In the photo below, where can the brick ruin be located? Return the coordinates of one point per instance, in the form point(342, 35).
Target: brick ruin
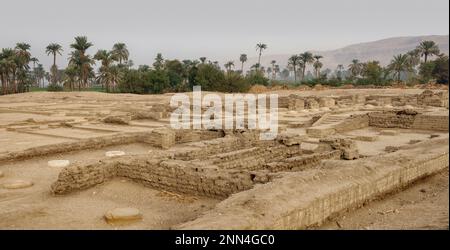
point(314, 145)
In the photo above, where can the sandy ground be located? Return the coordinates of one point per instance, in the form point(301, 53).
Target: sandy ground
point(36, 208)
point(423, 205)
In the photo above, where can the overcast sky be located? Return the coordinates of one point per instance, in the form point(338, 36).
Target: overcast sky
point(217, 29)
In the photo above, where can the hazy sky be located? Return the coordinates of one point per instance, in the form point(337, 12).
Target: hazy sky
point(219, 30)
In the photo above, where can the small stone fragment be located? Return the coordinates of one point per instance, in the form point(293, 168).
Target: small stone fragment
point(125, 214)
point(16, 184)
point(114, 153)
point(58, 163)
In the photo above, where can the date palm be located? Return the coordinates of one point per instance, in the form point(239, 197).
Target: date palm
point(273, 62)
point(243, 59)
point(294, 62)
point(121, 52)
point(54, 49)
point(355, 68)
point(317, 65)
point(106, 69)
point(399, 64)
point(22, 59)
point(229, 65)
point(428, 48)
point(260, 47)
point(79, 57)
point(305, 59)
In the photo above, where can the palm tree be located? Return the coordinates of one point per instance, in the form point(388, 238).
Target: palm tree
point(428, 48)
point(39, 72)
point(7, 64)
point(273, 62)
point(276, 70)
point(399, 64)
point(105, 71)
point(339, 70)
point(294, 61)
point(317, 65)
point(305, 59)
point(243, 59)
point(260, 47)
point(54, 49)
point(79, 57)
point(355, 68)
point(120, 51)
point(22, 59)
point(229, 65)
point(34, 60)
point(70, 76)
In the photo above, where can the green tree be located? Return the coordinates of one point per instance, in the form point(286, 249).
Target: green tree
point(428, 48)
point(399, 64)
point(440, 70)
point(120, 52)
point(317, 65)
point(242, 59)
point(294, 62)
point(305, 59)
point(355, 68)
point(260, 47)
point(53, 49)
point(81, 59)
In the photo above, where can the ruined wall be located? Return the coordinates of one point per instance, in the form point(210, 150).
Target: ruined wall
point(302, 162)
point(303, 199)
point(158, 173)
point(352, 123)
point(90, 143)
point(392, 119)
point(431, 122)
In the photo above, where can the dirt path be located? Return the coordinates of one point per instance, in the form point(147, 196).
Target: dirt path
point(424, 205)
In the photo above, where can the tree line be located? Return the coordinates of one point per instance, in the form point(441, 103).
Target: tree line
point(19, 71)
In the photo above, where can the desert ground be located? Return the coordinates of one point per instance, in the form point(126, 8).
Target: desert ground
point(343, 159)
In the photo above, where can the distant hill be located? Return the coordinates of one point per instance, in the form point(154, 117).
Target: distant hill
point(381, 50)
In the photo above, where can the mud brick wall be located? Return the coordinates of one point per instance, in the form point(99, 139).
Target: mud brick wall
point(326, 102)
point(90, 143)
point(431, 122)
point(392, 119)
point(256, 158)
point(352, 123)
point(189, 135)
point(203, 149)
point(297, 204)
point(165, 174)
point(299, 163)
point(160, 137)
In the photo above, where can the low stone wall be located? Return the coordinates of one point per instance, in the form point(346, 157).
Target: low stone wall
point(352, 123)
point(303, 162)
point(159, 173)
point(90, 143)
point(303, 199)
point(431, 122)
point(392, 119)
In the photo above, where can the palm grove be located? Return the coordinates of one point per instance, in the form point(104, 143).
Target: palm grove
point(115, 72)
